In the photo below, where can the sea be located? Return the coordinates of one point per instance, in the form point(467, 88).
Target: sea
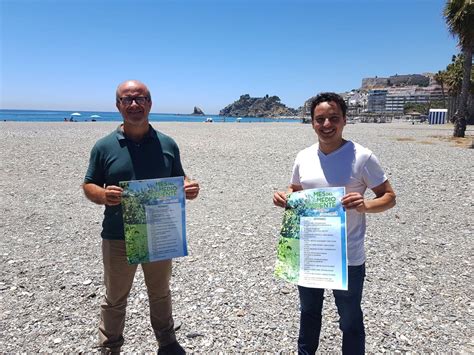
point(91, 116)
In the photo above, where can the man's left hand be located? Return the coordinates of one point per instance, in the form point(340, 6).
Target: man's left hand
point(191, 189)
point(354, 200)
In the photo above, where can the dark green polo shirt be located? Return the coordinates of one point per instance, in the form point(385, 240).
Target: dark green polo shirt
point(116, 158)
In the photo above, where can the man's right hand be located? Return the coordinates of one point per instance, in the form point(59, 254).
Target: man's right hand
point(279, 199)
point(113, 195)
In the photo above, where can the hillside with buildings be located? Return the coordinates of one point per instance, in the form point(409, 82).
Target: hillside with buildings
point(377, 98)
point(396, 80)
point(388, 97)
point(399, 90)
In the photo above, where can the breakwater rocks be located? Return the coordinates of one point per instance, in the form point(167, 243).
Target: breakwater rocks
point(267, 106)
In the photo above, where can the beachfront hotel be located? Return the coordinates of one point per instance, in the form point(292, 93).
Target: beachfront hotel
point(394, 99)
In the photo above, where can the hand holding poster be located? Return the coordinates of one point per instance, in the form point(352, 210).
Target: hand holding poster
point(154, 219)
point(312, 246)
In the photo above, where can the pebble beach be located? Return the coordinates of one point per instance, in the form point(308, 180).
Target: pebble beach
point(418, 289)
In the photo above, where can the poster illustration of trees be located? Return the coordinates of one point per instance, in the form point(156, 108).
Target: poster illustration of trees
point(299, 253)
point(154, 219)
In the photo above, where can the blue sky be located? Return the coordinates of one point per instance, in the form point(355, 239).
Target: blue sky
point(72, 54)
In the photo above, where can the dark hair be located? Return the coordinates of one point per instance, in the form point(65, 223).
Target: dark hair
point(328, 97)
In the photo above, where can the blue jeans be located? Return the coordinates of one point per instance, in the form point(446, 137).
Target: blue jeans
point(351, 320)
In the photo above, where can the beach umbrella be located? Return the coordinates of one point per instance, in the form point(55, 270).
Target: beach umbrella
point(75, 114)
point(95, 116)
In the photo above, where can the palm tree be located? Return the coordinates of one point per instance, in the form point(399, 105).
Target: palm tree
point(453, 75)
point(440, 78)
point(459, 16)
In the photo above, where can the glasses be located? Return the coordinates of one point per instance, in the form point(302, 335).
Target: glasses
point(322, 120)
point(127, 100)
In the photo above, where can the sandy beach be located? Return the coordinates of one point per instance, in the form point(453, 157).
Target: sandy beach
point(419, 285)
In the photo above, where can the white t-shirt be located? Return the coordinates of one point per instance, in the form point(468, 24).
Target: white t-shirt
point(352, 166)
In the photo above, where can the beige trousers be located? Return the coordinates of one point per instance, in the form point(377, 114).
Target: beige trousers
point(118, 279)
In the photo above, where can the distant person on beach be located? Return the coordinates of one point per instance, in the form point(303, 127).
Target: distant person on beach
point(336, 162)
point(134, 151)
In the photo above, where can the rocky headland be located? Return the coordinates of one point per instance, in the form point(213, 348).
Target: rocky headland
point(267, 106)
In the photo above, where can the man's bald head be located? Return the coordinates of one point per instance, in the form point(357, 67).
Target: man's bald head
point(132, 84)
point(133, 101)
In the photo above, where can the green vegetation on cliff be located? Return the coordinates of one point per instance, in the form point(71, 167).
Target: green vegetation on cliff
point(267, 106)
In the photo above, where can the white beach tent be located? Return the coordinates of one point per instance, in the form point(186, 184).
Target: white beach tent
point(437, 116)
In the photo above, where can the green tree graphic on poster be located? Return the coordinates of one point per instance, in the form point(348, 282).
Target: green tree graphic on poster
point(307, 224)
point(149, 196)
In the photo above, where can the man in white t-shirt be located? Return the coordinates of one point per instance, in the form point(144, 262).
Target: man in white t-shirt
point(336, 162)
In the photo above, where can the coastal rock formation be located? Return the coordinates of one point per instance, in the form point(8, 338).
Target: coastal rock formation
point(197, 111)
point(267, 106)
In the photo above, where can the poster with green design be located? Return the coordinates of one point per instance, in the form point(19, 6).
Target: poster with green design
point(312, 249)
point(154, 216)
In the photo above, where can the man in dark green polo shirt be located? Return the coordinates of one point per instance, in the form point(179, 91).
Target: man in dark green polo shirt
point(135, 151)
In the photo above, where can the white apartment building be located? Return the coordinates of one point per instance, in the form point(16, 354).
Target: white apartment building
point(376, 100)
point(394, 99)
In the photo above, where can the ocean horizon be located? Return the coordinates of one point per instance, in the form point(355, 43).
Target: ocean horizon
point(100, 116)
